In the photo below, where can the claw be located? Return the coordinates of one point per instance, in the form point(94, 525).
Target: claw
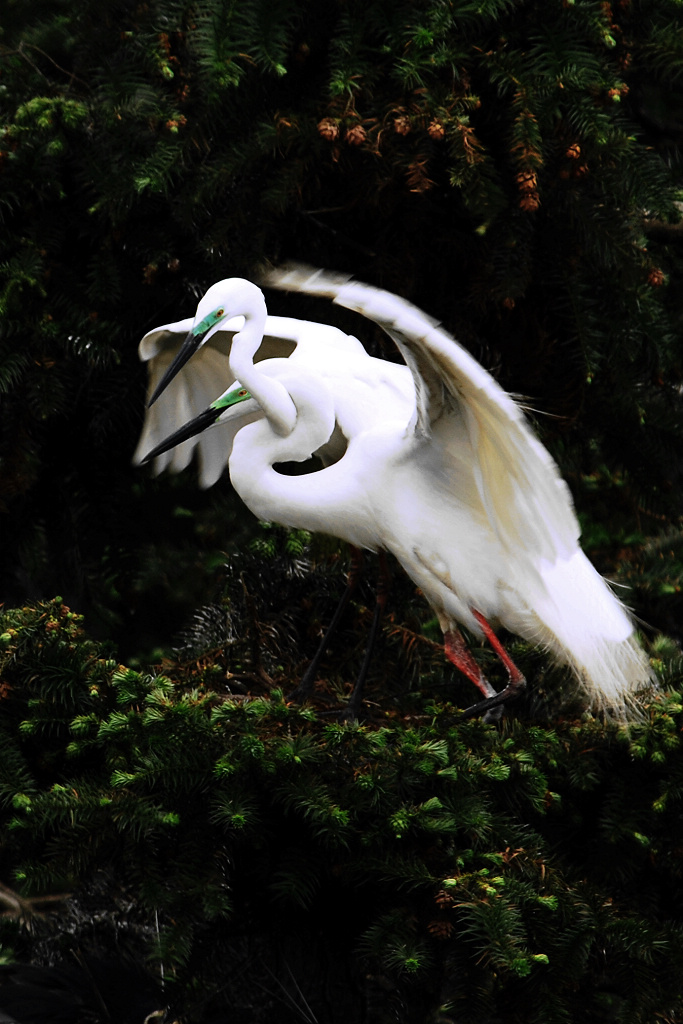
point(496, 703)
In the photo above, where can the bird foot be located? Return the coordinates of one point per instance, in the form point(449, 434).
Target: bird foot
point(348, 715)
point(299, 695)
point(492, 708)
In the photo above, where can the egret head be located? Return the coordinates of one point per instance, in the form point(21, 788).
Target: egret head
point(227, 304)
point(229, 405)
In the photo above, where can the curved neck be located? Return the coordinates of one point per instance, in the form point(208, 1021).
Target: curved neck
point(322, 501)
point(270, 394)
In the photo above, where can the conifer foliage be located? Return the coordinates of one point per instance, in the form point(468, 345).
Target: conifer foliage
point(514, 167)
point(273, 864)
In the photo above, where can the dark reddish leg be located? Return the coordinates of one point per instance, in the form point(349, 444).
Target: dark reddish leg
point(305, 687)
point(458, 654)
point(515, 677)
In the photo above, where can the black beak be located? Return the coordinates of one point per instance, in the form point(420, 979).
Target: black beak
point(187, 349)
point(195, 426)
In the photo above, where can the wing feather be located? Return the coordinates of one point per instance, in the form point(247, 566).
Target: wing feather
point(204, 378)
point(527, 501)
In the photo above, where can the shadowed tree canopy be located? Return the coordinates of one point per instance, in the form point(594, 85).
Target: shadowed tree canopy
point(513, 167)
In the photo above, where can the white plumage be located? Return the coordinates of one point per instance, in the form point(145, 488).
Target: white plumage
point(454, 483)
point(373, 386)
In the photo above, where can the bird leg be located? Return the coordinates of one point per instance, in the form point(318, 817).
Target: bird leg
point(305, 687)
point(350, 713)
point(458, 654)
point(493, 701)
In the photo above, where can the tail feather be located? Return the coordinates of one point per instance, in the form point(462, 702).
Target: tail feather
point(580, 620)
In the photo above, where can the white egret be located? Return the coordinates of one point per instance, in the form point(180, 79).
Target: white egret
point(463, 494)
point(231, 328)
point(202, 345)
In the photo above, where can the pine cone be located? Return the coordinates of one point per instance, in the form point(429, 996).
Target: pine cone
point(402, 125)
point(440, 929)
point(356, 136)
point(329, 129)
point(655, 277)
point(527, 181)
point(436, 130)
point(574, 152)
point(529, 202)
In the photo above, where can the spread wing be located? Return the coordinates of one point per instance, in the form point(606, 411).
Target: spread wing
point(188, 394)
point(527, 501)
point(204, 378)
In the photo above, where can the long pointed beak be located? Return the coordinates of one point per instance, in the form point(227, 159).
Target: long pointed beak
point(235, 395)
point(187, 350)
point(196, 426)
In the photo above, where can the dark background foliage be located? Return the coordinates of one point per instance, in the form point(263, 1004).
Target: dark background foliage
point(513, 167)
point(513, 174)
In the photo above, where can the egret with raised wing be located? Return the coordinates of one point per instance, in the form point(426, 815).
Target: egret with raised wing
point(231, 319)
point(462, 492)
point(231, 335)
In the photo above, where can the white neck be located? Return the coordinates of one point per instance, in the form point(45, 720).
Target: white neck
point(323, 501)
point(268, 392)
